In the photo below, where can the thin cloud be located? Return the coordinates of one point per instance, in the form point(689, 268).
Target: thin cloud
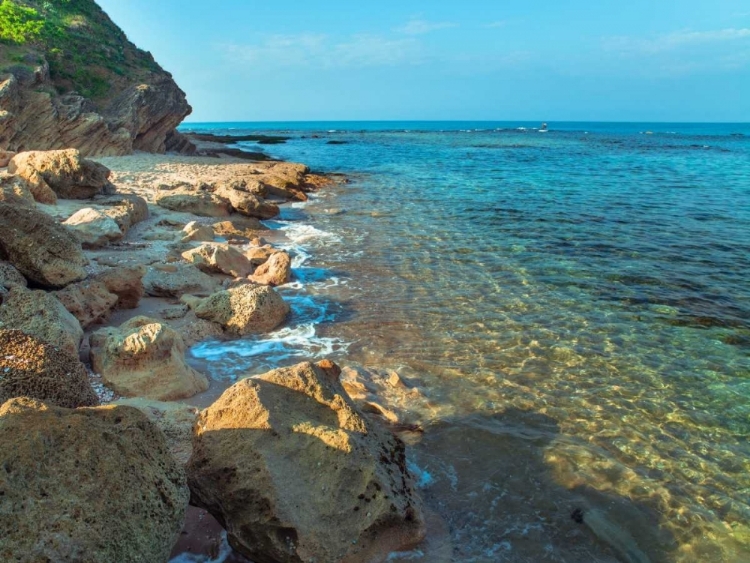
point(501, 23)
point(420, 27)
point(675, 40)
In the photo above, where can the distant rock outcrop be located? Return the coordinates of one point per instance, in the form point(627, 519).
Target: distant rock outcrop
point(78, 82)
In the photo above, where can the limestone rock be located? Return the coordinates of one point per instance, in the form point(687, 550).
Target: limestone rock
point(94, 228)
point(9, 276)
point(174, 280)
point(194, 231)
point(39, 247)
point(89, 484)
point(15, 190)
point(196, 200)
point(247, 203)
point(126, 209)
point(245, 227)
point(274, 271)
point(88, 301)
point(248, 309)
point(32, 368)
point(295, 473)
point(64, 171)
point(41, 314)
point(5, 157)
point(126, 282)
point(219, 258)
point(259, 254)
point(145, 358)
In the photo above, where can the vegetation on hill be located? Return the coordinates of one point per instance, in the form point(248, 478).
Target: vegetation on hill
point(86, 51)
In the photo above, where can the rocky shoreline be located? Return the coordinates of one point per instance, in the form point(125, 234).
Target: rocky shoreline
point(109, 271)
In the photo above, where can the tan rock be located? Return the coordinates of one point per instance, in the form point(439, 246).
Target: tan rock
point(64, 171)
point(259, 254)
point(248, 309)
point(87, 484)
point(247, 203)
point(126, 282)
point(195, 231)
point(295, 473)
point(196, 200)
point(245, 227)
point(145, 358)
point(88, 301)
point(39, 247)
point(41, 314)
point(126, 209)
point(5, 157)
point(219, 258)
point(276, 270)
point(93, 228)
point(174, 280)
point(194, 330)
point(15, 190)
point(39, 189)
point(32, 368)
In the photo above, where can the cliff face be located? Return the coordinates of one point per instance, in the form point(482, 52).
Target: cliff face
point(69, 78)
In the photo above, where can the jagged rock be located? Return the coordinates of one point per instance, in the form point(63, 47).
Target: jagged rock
point(88, 301)
point(93, 228)
point(145, 358)
point(41, 314)
point(245, 227)
point(9, 276)
point(175, 420)
point(194, 231)
point(174, 280)
point(285, 180)
point(220, 258)
point(260, 254)
point(248, 309)
point(32, 368)
point(246, 202)
point(126, 209)
point(87, 484)
point(64, 171)
point(295, 473)
point(15, 190)
point(274, 271)
point(39, 247)
point(196, 200)
point(126, 282)
point(179, 143)
point(5, 157)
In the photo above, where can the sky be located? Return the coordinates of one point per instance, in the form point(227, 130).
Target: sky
point(572, 60)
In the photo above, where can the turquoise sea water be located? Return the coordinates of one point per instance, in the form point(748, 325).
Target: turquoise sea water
point(574, 304)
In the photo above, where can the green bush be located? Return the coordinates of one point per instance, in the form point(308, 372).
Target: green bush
point(19, 24)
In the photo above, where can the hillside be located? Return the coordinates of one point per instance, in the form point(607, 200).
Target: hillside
point(69, 77)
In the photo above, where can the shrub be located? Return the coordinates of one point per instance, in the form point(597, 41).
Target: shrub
point(19, 24)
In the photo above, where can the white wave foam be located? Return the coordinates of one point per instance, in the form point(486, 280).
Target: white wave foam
point(225, 551)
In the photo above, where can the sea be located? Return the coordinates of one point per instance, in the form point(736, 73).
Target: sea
point(569, 309)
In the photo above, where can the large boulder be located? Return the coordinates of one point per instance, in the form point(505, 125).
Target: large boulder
point(64, 171)
point(276, 270)
point(145, 358)
point(42, 315)
point(259, 254)
point(32, 368)
point(174, 280)
point(15, 190)
point(126, 209)
point(248, 309)
point(295, 473)
point(219, 258)
point(194, 231)
point(247, 203)
point(198, 200)
point(126, 282)
point(39, 247)
point(89, 484)
point(94, 228)
point(88, 301)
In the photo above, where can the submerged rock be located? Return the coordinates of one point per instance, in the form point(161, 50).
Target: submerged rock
point(295, 473)
point(247, 309)
point(32, 368)
point(39, 247)
point(90, 484)
point(94, 228)
point(145, 358)
point(274, 271)
point(65, 172)
point(219, 258)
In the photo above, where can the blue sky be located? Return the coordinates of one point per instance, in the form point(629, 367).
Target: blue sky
point(632, 60)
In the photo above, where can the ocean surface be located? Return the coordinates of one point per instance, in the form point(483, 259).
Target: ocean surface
point(573, 307)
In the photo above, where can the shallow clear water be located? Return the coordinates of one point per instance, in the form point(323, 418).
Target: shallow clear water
point(575, 304)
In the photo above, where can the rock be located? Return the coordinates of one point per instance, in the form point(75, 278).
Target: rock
point(194, 330)
point(5, 157)
point(175, 420)
point(126, 209)
point(245, 227)
point(248, 309)
point(259, 254)
point(39, 247)
point(219, 258)
point(196, 200)
point(88, 301)
point(64, 171)
point(88, 484)
point(145, 358)
point(174, 280)
point(94, 228)
point(126, 282)
point(247, 203)
point(194, 231)
point(15, 190)
point(295, 473)
point(41, 314)
point(274, 271)
point(9, 276)
point(32, 368)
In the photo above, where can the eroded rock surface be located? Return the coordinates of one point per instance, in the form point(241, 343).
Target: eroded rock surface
point(295, 473)
point(88, 301)
point(219, 258)
point(126, 282)
point(15, 190)
point(90, 484)
point(93, 228)
point(174, 280)
point(276, 270)
point(247, 309)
